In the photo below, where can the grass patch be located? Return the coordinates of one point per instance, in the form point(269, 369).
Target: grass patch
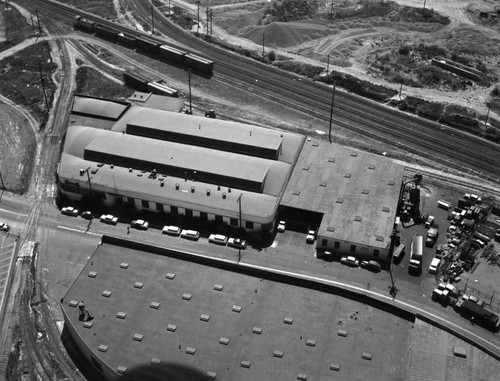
point(20, 78)
point(91, 82)
point(17, 29)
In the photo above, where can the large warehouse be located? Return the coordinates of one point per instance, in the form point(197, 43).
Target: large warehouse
point(232, 173)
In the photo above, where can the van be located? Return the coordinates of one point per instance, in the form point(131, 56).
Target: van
point(398, 253)
point(190, 234)
point(433, 267)
point(444, 204)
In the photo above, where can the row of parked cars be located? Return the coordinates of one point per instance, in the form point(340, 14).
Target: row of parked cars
point(172, 230)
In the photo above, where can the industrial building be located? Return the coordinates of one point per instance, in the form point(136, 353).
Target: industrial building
point(137, 305)
point(232, 173)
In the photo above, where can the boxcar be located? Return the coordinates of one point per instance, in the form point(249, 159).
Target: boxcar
point(136, 80)
point(162, 89)
point(126, 39)
point(198, 63)
point(106, 32)
point(83, 24)
point(147, 45)
point(172, 54)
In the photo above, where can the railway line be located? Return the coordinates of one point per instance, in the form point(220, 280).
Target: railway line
point(352, 112)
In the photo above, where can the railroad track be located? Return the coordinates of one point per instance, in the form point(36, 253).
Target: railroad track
point(416, 135)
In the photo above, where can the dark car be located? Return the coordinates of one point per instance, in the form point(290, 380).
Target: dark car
point(372, 266)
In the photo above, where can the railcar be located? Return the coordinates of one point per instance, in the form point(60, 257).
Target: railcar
point(83, 24)
point(136, 80)
point(198, 63)
point(162, 89)
point(126, 40)
point(106, 32)
point(147, 45)
point(172, 54)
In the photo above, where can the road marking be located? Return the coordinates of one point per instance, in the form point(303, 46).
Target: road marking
point(11, 212)
point(78, 230)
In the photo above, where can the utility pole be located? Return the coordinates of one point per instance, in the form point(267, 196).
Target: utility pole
point(3, 185)
point(43, 86)
point(263, 52)
point(39, 26)
point(208, 23)
point(487, 115)
point(198, 22)
point(169, 9)
point(331, 114)
point(423, 9)
point(239, 202)
point(189, 82)
point(88, 180)
point(328, 64)
point(211, 25)
point(152, 20)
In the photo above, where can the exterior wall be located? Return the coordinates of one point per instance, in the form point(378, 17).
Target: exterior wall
point(91, 357)
point(112, 199)
point(362, 252)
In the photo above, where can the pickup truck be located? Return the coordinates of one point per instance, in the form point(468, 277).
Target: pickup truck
point(432, 235)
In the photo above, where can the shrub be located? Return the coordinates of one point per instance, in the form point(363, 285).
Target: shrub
point(404, 50)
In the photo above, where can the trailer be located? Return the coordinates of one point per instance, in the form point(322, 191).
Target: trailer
point(172, 54)
point(198, 63)
point(162, 89)
point(136, 80)
point(480, 315)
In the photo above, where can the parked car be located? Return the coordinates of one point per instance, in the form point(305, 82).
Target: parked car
point(109, 219)
point(281, 226)
point(140, 224)
point(69, 211)
point(4, 227)
point(237, 243)
point(349, 261)
point(190, 234)
point(219, 239)
point(311, 236)
point(88, 215)
point(372, 266)
point(171, 230)
point(433, 267)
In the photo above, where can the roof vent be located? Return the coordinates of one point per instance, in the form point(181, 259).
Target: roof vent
point(82, 171)
point(365, 191)
point(379, 238)
point(111, 166)
point(162, 184)
point(228, 190)
point(208, 192)
point(176, 186)
point(354, 154)
point(218, 187)
point(224, 195)
point(192, 189)
point(130, 169)
point(385, 209)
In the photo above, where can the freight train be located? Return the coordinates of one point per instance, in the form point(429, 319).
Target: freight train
point(147, 46)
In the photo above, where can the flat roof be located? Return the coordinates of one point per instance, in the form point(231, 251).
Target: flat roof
point(208, 128)
point(191, 158)
point(98, 107)
point(138, 184)
point(213, 319)
point(356, 191)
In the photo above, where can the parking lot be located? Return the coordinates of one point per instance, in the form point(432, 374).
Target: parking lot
point(7, 251)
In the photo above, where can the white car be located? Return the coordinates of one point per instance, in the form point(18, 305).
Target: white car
point(4, 227)
point(193, 235)
point(69, 211)
point(237, 243)
point(349, 261)
point(140, 224)
point(311, 236)
point(434, 265)
point(219, 239)
point(281, 226)
point(109, 219)
point(171, 230)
